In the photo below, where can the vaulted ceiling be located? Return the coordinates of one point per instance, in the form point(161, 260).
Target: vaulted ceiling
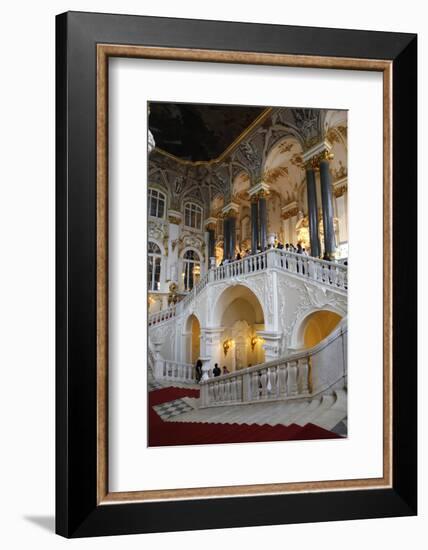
point(198, 132)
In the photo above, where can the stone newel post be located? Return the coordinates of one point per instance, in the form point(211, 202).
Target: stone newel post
point(159, 362)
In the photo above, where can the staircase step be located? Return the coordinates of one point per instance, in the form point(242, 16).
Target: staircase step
point(218, 424)
point(335, 414)
point(307, 412)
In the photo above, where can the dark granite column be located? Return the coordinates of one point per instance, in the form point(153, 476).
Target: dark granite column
point(232, 236)
point(226, 237)
point(263, 223)
point(313, 213)
point(211, 243)
point(254, 225)
point(327, 209)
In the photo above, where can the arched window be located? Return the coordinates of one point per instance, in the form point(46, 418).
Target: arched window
point(154, 266)
point(156, 203)
point(192, 268)
point(193, 215)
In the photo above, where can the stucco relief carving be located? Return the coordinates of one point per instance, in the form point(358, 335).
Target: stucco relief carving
point(157, 230)
point(269, 296)
point(250, 153)
point(310, 298)
point(261, 285)
point(321, 297)
point(284, 287)
point(190, 239)
point(163, 332)
point(307, 121)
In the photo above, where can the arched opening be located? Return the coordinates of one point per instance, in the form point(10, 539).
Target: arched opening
point(193, 333)
point(317, 326)
point(240, 314)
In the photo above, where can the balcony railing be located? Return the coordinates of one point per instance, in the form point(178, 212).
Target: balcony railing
point(331, 274)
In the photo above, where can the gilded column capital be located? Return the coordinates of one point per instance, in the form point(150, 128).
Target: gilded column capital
point(231, 210)
point(311, 164)
point(210, 223)
point(316, 153)
point(326, 155)
point(174, 217)
point(259, 191)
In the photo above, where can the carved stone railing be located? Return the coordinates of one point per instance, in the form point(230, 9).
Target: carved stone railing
point(174, 371)
point(300, 375)
point(163, 315)
point(331, 274)
point(198, 287)
point(249, 264)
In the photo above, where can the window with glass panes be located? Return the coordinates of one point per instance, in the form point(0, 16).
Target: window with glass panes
point(193, 215)
point(156, 203)
point(190, 261)
point(154, 266)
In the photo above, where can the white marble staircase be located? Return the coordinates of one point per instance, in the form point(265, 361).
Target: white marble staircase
point(326, 411)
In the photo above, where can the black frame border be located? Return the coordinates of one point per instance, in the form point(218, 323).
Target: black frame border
point(77, 512)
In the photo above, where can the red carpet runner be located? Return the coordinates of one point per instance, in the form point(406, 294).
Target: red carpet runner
point(185, 433)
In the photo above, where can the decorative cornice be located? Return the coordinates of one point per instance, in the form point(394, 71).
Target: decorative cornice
point(289, 210)
point(290, 213)
point(340, 187)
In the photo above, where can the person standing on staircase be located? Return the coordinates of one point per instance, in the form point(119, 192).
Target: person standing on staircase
point(216, 370)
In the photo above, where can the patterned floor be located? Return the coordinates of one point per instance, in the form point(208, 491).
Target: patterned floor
point(341, 428)
point(172, 408)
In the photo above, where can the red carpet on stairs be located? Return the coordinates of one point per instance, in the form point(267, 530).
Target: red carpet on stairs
point(186, 433)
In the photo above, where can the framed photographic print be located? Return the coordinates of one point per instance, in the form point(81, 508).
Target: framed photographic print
point(236, 326)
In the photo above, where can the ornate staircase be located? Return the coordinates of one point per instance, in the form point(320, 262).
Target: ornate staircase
point(326, 411)
point(173, 420)
point(295, 393)
point(301, 395)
